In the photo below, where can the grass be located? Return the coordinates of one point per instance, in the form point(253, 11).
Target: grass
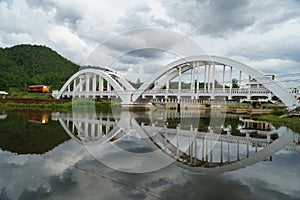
point(82, 105)
point(239, 106)
point(15, 93)
point(292, 122)
point(11, 105)
point(64, 107)
point(102, 105)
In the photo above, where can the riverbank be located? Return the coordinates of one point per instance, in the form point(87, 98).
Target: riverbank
point(50, 104)
point(293, 122)
point(44, 102)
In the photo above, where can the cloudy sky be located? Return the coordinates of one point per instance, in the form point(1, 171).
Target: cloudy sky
point(262, 34)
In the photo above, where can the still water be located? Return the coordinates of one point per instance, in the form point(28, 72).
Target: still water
point(150, 155)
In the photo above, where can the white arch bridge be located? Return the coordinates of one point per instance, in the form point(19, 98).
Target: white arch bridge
point(196, 77)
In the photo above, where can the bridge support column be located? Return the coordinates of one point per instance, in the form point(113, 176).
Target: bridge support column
point(203, 149)
point(167, 89)
point(86, 130)
point(94, 86)
point(238, 150)
point(81, 83)
point(93, 132)
point(106, 130)
point(191, 150)
point(74, 85)
point(195, 146)
point(256, 147)
point(108, 89)
point(100, 83)
point(210, 150)
point(249, 88)
point(221, 152)
point(73, 127)
point(205, 73)
point(100, 132)
point(79, 129)
point(198, 79)
point(213, 82)
point(206, 149)
point(240, 80)
point(177, 142)
point(208, 78)
point(179, 80)
point(193, 80)
point(87, 84)
point(228, 152)
point(69, 90)
point(223, 84)
point(247, 136)
point(230, 79)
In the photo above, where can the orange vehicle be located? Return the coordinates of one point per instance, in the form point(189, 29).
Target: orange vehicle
point(38, 88)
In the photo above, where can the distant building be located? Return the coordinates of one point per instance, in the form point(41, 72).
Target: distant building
point(3, 93)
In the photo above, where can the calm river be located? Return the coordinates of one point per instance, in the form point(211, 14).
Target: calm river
point(150, 155)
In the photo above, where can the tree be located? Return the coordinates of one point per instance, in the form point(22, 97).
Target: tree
point(3, 84)
point(234, 83)
point(24, 65)
point(138, 81)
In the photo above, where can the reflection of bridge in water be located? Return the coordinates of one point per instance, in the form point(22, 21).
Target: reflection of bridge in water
point(216, 150)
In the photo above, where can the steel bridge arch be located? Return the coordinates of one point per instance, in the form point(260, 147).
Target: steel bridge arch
point(170, 71)
point(122, 87)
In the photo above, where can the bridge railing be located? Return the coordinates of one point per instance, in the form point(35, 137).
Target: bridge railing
point(209, 91)
point(89, 93)
point(252, 91)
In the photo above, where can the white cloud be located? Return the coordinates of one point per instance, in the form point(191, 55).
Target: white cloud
point(255, 30)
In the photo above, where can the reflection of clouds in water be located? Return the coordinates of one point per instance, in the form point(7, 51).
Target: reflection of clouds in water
point(117, 158)
point(207, 186)
point(68, 172)
point(133, 144)
point(252, 182)
point(229, 185)
point(7, 158)
point(30, 172)
point(282, 174)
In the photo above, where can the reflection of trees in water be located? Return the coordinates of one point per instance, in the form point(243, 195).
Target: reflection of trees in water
point(19, 136)
point(233, 122)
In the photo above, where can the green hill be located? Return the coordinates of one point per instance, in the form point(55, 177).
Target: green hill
point(24, 65)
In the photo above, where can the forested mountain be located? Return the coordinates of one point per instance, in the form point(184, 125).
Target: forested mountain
point(24, 65)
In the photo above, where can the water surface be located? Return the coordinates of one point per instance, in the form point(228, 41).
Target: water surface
point(65, 156)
